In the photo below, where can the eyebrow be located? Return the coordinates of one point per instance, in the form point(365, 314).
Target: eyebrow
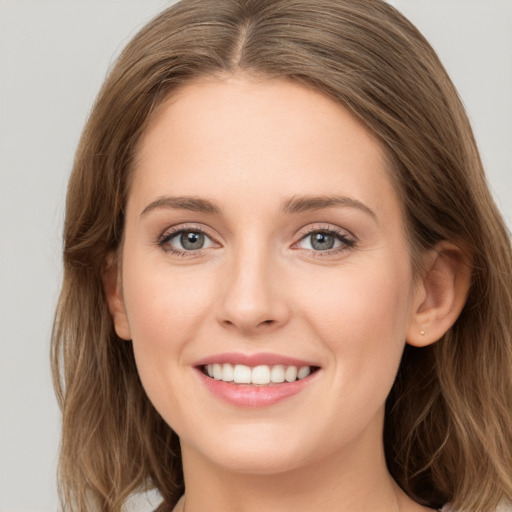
point(194, 204)
point(299, 204)
point(294, 205)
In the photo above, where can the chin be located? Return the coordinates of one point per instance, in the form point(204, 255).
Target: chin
point(256, 462)
point(257, 453)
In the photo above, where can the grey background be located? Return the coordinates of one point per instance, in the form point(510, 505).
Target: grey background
point(54, 55)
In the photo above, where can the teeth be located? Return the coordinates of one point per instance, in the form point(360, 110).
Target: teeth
point(242, 374)
point(290, 374)
point(227, 373)
point(258, 375)
point(304, 371)
point(217, 372)
point(277, 373)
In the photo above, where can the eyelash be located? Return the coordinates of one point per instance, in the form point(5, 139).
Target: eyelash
point(164, 240)
point(347, 242)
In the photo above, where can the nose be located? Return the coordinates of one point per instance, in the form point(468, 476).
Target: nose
point(253, 298)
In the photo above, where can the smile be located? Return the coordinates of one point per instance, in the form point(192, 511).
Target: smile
point(257, 380)
point(260, 375)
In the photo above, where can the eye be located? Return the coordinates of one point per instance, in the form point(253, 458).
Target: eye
point(185, 240)
point(326, 240)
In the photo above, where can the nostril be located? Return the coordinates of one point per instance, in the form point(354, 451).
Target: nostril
point(266, 323)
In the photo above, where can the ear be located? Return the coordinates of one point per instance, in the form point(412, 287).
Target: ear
point(442, 292)
point(113, 291)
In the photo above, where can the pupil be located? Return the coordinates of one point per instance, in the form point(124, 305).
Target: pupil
point(322, 241)
point(191, 240)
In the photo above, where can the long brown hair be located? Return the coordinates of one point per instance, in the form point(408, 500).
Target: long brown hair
point(448, 427)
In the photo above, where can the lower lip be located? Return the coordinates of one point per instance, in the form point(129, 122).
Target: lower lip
point(244, 395)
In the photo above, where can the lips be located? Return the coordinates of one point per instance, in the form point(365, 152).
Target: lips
point(255, 380)
point(252, 360)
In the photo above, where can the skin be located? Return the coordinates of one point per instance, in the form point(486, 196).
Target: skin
point(258, 285)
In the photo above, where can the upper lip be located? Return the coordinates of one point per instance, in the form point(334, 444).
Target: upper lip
point(263, 358)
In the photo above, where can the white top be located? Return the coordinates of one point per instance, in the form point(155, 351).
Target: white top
point(503, 507)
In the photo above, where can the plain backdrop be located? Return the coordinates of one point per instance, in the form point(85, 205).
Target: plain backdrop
point(54, 55)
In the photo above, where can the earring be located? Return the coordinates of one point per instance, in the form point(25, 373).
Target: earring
point(422, 332)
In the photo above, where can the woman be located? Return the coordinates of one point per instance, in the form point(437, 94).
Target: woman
point(286, 283)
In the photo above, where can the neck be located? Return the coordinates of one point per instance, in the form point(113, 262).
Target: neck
point(355, 479)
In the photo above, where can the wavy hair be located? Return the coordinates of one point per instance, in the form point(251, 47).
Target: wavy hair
point(448, 426)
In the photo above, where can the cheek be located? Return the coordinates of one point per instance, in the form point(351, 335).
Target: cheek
point(165, 311)
point(362, 298)
point(362, 315)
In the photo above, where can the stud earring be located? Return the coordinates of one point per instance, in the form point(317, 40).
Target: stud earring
point(422, 332)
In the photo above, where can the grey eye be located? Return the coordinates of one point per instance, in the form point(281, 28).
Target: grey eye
point(186, 240)
point(192, 240)
point(322, 241)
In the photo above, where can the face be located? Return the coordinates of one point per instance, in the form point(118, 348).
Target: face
point(266, 281)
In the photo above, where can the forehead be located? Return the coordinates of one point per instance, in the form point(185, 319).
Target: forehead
point(234, 133)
